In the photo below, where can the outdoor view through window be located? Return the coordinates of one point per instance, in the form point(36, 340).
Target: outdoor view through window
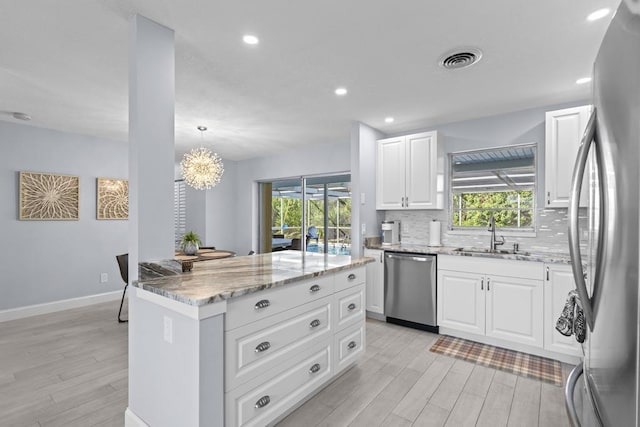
point(499, 182)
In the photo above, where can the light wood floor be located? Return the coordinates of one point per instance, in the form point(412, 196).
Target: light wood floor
point(70, 369)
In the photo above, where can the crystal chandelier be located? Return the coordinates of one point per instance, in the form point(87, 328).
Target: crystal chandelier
point(201, 168)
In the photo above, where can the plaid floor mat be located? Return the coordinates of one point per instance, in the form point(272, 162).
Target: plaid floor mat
point(522, 364)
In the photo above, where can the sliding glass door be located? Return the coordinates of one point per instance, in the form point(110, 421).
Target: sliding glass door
point(310, 213)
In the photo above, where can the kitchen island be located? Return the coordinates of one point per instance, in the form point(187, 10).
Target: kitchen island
point(241, 341)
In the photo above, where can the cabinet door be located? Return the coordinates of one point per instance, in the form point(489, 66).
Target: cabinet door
point(421, 170)
point(514, 309)
point(558, 282)
point(375, 281)
point(390, 173)
point(564, 130)
point(461, 301)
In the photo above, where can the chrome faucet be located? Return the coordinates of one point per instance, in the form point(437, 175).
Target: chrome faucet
point(492, 228)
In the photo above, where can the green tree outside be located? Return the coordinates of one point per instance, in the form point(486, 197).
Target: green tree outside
point(475, 209)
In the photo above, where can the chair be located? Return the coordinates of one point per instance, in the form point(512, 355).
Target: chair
point(251, 253)
point(296, 244)
point(312, 233)
point(123, 264)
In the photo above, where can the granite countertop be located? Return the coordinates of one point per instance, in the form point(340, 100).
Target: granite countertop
point(218, 280)
point(548, 257)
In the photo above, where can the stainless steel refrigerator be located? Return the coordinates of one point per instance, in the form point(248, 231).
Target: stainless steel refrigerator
point(611, 378)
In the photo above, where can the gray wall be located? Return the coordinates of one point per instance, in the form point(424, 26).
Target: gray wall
point(309, 160)
point(44, 261)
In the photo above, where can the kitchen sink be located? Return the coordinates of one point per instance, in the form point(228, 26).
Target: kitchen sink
point(489, 251)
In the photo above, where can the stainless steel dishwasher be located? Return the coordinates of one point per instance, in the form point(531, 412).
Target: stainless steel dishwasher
point(410, 290)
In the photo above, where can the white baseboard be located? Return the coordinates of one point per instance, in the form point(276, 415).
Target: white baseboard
point(52, 307)
point(132, 420)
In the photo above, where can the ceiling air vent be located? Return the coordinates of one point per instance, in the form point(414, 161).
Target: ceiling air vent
point(460, 58)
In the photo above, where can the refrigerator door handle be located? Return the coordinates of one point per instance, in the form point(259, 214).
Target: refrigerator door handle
point(569, 390)
point(574, 232)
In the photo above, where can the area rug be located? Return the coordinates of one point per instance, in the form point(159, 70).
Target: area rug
point(522, 364)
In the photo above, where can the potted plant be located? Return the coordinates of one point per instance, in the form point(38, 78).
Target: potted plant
point(190, 243)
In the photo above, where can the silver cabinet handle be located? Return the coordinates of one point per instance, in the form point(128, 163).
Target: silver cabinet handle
point(547, 273)
point(351, 345)
point(488, 284)
point(314, 323)
point(482, 284)
point(315, 368)
point(351, 276)
point(263, 401)
point(403, 202)
point(406, 201)
point(381, 256)
point(314, 288)
point(263, 303)
point(590, 136)
point(263, 346)
point(351, 307)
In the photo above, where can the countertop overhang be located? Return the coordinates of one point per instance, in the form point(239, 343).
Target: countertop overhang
point(214, 281)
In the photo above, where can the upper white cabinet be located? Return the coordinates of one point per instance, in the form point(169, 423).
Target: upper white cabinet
point(410, 172)
point(558, 283)
point(563, 133)
point(375, 281)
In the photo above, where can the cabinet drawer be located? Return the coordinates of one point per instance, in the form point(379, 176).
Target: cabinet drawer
point(349, 345)
point(347, 278)
point(260, 404)
point(259, 305)
point(349, 307)
point(253, 349)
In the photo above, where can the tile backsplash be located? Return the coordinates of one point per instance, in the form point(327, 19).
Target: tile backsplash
point(551, 230)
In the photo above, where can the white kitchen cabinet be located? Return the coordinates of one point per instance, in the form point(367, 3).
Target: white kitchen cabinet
point(558, 283)
point(501, 299)
point(563, 133)
point(410, 172)
point(375, 281)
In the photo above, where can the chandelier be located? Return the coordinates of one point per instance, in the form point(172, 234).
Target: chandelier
point(201, 168)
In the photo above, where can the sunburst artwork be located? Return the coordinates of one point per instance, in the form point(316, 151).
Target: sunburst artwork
point(49, 197)
point(112, 199)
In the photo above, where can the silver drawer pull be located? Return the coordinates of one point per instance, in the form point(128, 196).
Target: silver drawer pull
point(263, 401)
point(351, 276)
point(263, 346)
point(315, 368)
point(351, 307)
point(351, 345)
point(263, 303)
point(314, 323)
point(314, 288)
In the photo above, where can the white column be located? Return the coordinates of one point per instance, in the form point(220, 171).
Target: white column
point(151, 142)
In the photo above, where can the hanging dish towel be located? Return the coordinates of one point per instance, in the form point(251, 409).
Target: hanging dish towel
point(571, 321)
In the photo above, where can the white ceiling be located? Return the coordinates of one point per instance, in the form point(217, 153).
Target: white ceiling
point(65, 63)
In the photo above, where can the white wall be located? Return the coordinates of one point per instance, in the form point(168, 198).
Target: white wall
point(44, 261)
point(309, 160)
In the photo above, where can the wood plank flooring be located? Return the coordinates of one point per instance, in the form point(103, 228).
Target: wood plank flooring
point(70, 369)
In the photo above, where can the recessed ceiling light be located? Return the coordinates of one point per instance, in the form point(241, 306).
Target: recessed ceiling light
point(341, 91)
point(389, 119)
point(583, 80)
point(21, 116)
point(249, 39)
point(598, 14)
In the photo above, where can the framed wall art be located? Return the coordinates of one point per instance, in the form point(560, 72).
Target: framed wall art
point(49, 197)
point(112, 198)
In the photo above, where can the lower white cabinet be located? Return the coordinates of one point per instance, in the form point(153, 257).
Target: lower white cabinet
point(502, 299)
point(303, 335)
point(375, 281)
point(558, 283)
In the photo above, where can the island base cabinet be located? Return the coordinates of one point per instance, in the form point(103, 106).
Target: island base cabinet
point(349, 345)
point(514, 310)
point(264, 399)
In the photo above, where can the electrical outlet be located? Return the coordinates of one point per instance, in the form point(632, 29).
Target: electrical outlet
point(405, 227)
point(168, 329)
point(363, 229)
point(362, 198)
point(104, 277)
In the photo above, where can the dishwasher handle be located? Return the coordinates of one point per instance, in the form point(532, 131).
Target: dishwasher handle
point(410, 257)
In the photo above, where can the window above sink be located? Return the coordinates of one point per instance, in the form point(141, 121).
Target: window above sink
point(500, 182)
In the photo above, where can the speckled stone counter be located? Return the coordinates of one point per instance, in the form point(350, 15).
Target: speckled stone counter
point(214, 281)
point(548, 257)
